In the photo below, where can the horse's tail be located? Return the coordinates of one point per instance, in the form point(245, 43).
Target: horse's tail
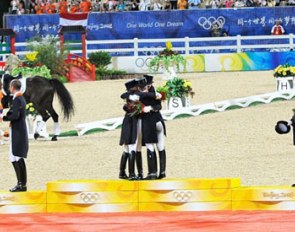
point(64, 97)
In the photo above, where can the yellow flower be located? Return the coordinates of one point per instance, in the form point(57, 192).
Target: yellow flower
point(284, 73)
point(169, 45)
point(165, 83)
point(31, 56)
point(187, 84)
point(27, 106)
point(32, 109)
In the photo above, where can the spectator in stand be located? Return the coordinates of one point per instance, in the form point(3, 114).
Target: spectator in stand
point(214, 4)
point(85, 6)
point(239, 4)
point(95, 5)
point(256, 3)
point(229, 3)
point(21, 9)
point(49, 7)
point(271, 3)
point(111, 5)
point(182, 4)
point(39, 7)
point(14, 6)
point(75, 8)
point(202, 4)
point(167, 5)
point(31, 7)
point(134, 5)
point(193, 4)
point(144, 5)
point(278, 29)
point(157, 5)
point(291, 2)
point(173, 4)
point(121, 6)
point(63, 6)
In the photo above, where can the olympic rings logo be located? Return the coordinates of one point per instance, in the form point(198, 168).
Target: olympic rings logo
point(183, 196)
point(143, 63)
point(89, 197)
point(207, 23)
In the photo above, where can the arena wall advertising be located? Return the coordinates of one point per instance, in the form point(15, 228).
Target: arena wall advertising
point(245, 61)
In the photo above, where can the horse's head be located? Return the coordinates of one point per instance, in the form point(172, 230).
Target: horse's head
point(5, 83)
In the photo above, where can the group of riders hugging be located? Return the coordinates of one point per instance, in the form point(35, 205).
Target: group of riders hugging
point(143, 125)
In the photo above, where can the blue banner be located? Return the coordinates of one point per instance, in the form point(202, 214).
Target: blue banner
point(161, 24)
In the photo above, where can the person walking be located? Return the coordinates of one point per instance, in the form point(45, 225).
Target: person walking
point(19, 145)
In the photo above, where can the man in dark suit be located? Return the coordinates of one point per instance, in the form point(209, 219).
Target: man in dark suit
point(19, 145)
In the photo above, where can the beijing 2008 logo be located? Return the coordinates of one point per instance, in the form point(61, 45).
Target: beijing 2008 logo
point(207, 23)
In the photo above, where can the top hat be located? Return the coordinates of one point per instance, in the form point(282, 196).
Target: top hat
point(141, 82)
point(149, 79)
point(130, 84)
point(282, 127)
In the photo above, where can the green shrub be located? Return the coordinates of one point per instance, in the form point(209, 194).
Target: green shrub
point(100, 59)
point(48, 52)
point(111, 72)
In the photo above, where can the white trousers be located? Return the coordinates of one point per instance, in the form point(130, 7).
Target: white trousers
point(161, 139)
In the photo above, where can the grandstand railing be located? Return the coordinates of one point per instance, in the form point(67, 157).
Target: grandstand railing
point(142, 47)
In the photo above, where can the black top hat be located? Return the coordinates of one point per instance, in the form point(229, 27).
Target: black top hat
point(149, 79)
point(141, 82)
point(130, 84)
point(282, 127)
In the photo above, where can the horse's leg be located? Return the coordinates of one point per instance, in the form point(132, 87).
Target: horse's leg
point(45, 116)
point(54, 116)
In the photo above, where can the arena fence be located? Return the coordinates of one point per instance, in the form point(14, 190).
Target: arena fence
point(206, 54)
point(187, 46)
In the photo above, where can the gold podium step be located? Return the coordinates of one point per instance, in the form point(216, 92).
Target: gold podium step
point(263, 198)
point(23, 202)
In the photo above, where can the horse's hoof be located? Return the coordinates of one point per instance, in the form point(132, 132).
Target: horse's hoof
point(54, 138)
point(36, 136)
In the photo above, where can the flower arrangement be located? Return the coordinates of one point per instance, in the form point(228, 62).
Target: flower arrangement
point(284, 71)
point(176, 87)
point(166, 58)
point(30, 110)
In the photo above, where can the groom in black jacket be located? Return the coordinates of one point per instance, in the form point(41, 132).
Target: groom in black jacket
point(19, 145)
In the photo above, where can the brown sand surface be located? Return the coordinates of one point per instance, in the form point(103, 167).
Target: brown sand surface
point(238, 143)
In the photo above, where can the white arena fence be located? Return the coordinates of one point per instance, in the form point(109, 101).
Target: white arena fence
point(133, 55)
point(187, 46)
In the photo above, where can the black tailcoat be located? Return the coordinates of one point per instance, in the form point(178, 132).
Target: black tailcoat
point(19, 135)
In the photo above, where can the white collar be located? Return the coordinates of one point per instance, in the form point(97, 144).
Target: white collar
point(16, 93)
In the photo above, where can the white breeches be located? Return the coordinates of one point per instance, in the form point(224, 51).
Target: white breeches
point(137, 146)
point(12, 157)
point(161, 136)
point(161, 139)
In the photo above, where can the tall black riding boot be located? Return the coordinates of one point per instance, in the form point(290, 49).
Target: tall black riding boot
point(138, 159)
point(23, 176)
point(162, 158)
point(18, 187)
point(131, 166)
point(123, 163)
point(152, 165)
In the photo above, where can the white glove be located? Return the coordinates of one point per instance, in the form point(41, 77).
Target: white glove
point(134, 97)
point(158, 96)
point(1, 116)
point(147, 109)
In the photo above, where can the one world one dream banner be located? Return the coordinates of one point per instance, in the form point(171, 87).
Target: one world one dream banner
point(160, 24)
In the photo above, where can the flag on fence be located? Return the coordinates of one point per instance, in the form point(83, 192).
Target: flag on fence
point(68, 19)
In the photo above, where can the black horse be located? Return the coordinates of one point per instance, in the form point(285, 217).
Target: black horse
point(40, 91)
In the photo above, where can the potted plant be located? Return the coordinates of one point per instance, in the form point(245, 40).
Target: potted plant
point(284, 75)
point(167, 60)
point(177, 91)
